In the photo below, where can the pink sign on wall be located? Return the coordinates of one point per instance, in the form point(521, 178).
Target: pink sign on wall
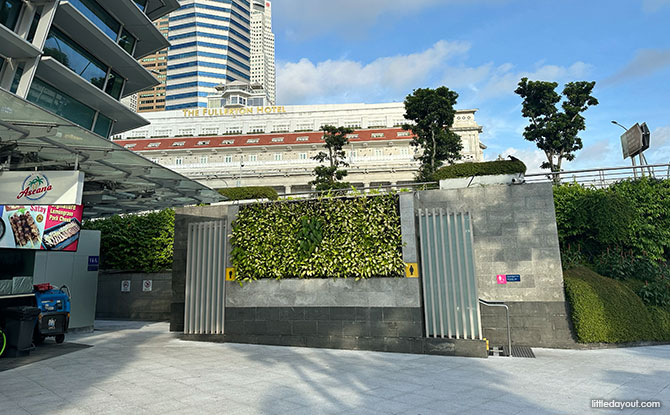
point(502, 279)
point(50, 228)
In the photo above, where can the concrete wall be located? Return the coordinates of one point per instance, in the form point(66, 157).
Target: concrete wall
point(514, 233)
point(137, 304)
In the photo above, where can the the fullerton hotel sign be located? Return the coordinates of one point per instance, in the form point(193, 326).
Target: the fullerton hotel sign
point(217, 112)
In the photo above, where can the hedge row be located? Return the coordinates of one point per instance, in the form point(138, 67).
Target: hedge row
point(632, 216)
point(325, 238)
point(251, 192)
point(487, 168)
point(142, 243)
point(608, 311)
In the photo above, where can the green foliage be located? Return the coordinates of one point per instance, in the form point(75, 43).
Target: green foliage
point(330, 177)
point(656, 292)
point(142, 243)
point(607, 311)
point(487, 168)
point(660, 317)
point(432, 111)
point(251, 192)
point(553, 131)
point(623, 266)
point(325, 238)
point(631, 216)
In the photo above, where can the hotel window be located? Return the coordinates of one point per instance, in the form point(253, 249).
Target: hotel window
point(352, 124)
point(352, 136)
point(234, 130)
point(278, 139)
point(378, 152)
point(154, 145)
point(253, 157)
point(403, 133)
point(377, 124)
point(162, 133)
point(253, 141)
point(281, 128)
point(187, 132)
point(279, 156)
point(303, 138)
point(179, 144)
point(404, 151)
point(303, 156)
point(377, 135)
point(228, 142)
point(228, 159)
point(179, 161)
point(9, 12)
point(130, 145)
point(154, 161)
point(203, 143)
point(210, 131)
point(305, 127)
point(257, 129)
point(203, 159)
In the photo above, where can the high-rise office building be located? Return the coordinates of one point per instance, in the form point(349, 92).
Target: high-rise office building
point(263, 49)
point(211, 45)
point(78, 58)
point(153, 99)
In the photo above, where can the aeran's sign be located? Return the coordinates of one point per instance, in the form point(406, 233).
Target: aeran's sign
point(41, 187)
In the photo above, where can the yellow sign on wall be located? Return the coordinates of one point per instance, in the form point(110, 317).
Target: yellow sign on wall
point(230, 274)
point(412, 270)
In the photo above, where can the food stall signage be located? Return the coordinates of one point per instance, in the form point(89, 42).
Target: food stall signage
point(41, 188)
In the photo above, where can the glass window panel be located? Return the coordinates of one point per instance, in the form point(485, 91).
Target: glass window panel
point(67, 52)
point(127, 41)
point(60, 103)
point(114, 85)
point(98, 16)
point(9, 12)
point(17, 78)
point(33, 25)
point(142, 4)
point(103, 126)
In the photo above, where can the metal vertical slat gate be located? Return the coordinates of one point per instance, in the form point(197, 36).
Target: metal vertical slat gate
point(204, 306)
point(448, 274)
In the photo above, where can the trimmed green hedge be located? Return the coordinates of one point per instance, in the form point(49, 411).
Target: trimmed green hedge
point(251, 192)
point(607, 311)
point(324, 238)
point(142, 243)
point(488, 168)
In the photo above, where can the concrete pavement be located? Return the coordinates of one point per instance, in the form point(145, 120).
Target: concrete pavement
point(141, 368)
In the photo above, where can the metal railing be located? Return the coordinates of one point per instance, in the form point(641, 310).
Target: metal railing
point(509, 331)
point(603, 177)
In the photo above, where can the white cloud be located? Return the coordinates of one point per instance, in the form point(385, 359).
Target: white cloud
point(660, 137)
point(346, 80)
point(654, 5)
point(645, 62)
point(392, 78)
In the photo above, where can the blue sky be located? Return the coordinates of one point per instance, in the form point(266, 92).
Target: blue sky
point(378, 51)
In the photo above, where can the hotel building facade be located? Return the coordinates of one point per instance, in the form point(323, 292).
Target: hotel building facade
point(273, 145)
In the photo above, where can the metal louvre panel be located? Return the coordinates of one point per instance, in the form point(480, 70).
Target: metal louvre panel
point(205, 285)
point(448, 277)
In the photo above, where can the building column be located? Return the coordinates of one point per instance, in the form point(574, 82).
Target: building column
point(287, 189)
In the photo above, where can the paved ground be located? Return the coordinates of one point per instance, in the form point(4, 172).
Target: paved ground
point(137, 368)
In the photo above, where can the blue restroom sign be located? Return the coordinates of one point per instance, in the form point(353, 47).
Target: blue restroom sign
point(93, 263)
point(514, 278)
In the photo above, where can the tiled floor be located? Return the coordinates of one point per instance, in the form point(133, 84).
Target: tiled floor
point(137, 368)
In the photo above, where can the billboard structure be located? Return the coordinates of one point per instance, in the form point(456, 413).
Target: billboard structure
point(635, 141)
point(39, 227)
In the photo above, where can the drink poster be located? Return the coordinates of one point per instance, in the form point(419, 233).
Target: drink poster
point(38, 227)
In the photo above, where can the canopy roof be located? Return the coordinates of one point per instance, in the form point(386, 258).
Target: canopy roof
point(116, 179)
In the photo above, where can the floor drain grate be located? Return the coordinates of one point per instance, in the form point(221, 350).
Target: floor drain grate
point(517, 351)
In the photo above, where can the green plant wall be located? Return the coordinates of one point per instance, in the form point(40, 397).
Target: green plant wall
point(324, 238)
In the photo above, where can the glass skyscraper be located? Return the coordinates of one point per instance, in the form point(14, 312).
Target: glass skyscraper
point(211, 45)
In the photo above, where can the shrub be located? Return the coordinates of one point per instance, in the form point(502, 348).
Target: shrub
point(656, 292)
point(605, 310)
point(251, 192)
point(660, 316)
point(324, 238)
point(142, 243)
point(487, 168)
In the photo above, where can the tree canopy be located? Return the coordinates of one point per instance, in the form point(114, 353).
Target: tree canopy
point(554, 131)
point(432, 112)
point(330, 176)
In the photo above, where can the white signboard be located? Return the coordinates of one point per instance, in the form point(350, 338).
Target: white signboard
point(125, 286)
point(147, 285)
point(635, 140)
point(41, 187)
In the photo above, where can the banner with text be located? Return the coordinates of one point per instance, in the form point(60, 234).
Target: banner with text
point(49, 228)
point(41, 187)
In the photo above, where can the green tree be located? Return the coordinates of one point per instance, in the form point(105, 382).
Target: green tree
point(554, 131)
point(432, 112)
point(330, 176)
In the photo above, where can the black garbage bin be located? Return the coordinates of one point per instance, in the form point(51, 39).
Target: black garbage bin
point(19, 327)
